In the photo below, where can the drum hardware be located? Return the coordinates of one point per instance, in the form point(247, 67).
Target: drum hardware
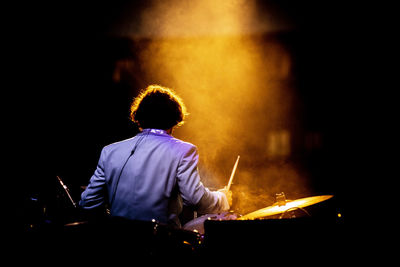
point(175, 238)
point(281, 209)
point(197, 224)
point(280, 199)
point(291, 213)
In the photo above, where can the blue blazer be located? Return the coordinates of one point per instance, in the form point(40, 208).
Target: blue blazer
point(150, 176)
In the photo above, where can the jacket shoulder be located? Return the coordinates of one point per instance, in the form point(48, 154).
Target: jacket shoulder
point(182, 143)
point(119, 144)
point(183, 147)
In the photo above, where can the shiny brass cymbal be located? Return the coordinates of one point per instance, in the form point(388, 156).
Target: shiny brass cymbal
point(289, 204)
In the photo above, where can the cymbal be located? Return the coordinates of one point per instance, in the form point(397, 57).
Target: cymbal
point(290, 204)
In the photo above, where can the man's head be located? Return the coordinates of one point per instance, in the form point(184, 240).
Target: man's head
point(158, 107)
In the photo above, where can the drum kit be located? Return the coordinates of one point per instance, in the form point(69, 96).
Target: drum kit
point(279, 210)
point(282, 208)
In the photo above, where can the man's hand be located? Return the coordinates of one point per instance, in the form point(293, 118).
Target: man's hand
point(228, 194)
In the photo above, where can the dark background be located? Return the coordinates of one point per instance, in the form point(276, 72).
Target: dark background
point(61, 58)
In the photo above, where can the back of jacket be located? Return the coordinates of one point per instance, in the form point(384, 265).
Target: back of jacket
point(147, 177)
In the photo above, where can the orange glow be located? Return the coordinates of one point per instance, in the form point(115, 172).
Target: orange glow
point(235, 88)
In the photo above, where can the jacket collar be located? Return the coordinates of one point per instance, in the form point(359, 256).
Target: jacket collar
point(155, 131)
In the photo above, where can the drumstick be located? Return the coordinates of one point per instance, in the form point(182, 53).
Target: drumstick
point(66, 191)
point(233, 173)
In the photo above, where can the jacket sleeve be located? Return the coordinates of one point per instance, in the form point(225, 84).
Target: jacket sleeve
point(212, 202)
point(192, 189)
point(95, 192)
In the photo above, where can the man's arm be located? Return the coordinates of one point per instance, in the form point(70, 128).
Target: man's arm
point(192, 189)
point(94, 194)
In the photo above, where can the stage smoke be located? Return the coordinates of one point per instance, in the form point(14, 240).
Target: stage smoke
point(235, 81)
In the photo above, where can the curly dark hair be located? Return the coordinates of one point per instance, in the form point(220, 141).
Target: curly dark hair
point(158, 107)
